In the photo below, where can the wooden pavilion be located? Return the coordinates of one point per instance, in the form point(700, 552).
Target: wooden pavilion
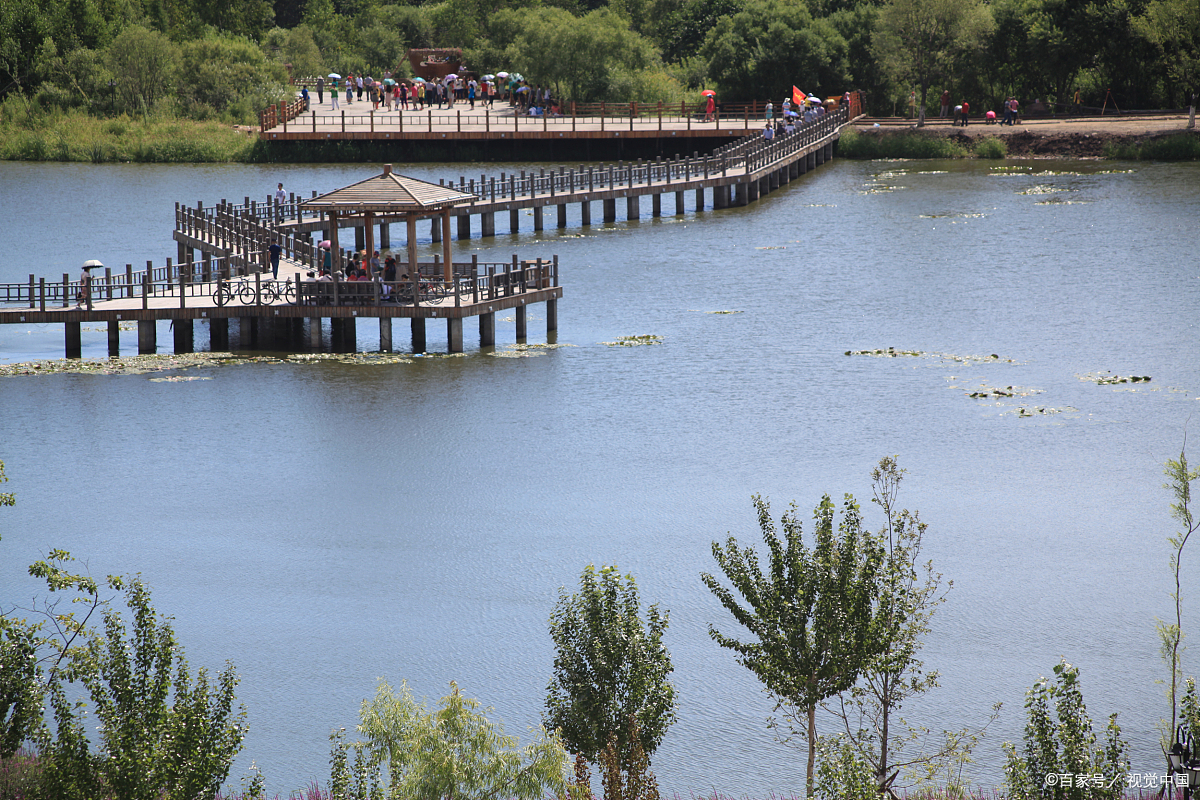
point(391, 195)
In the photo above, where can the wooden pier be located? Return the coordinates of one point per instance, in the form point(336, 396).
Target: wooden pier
point(221, 248)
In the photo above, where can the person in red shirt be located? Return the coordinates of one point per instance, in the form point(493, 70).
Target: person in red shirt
point(966, 110)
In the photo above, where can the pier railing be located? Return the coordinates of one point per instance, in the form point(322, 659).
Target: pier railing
point(749, 153)
point(728, 118)
point(223, 281)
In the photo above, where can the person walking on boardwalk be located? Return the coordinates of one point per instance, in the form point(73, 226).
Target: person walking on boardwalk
point(275, 251)
point(320, 89)
point(85, 286)
point(333, 96)
point(710, 107)
point(945, 105)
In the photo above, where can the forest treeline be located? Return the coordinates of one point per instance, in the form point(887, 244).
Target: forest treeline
point(225, 60)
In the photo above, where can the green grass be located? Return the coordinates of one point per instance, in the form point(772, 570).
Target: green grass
point(897, 145)
point(1178, 147)
point(27, 134)
point(991, 147)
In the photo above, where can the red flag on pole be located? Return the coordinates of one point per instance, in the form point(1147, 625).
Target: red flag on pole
point(797, 96)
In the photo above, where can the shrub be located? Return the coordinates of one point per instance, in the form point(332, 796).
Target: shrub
point(991, 147)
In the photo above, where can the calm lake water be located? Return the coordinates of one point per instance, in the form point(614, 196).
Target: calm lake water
point(327, 525)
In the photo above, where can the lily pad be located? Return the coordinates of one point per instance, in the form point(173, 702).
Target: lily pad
point(635, 341)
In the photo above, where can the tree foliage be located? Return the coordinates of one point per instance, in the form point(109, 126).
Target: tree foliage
point(922, 42)
point(814, 616)
point(452, 753)
point(1062, 743)
point(1171, 633)
point(609, 667)
point(163, 733)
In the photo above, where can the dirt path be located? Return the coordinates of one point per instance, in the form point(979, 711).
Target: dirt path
point(1078, 137)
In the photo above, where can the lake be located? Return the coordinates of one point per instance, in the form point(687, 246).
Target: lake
point(325, 525)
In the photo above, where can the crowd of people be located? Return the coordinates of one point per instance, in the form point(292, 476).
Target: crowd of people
point(1010, 111)
point(418, 94)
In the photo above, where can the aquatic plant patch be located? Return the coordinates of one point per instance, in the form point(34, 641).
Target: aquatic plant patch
point(892, 352)
point(724, 312)
point(635, 341)
point(130, 365)
point(350, 358)
point(1105, 378)
point(1025, 412)
point(527, 350)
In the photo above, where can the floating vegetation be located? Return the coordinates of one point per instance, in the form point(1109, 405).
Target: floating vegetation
point(996, 392)
point(1025, 412)
point(1106, 378)
point(131, 365)
point(963, 215)
point(351, 358)
point(527, 350)
point(1042, 188)
point(819, 205)
point(724, 312)
point(1060, 201)
point(635, 341)
point(182, 378)
point(933, 172)
point(775, 247)
point(1009, 169)
point(892, 352)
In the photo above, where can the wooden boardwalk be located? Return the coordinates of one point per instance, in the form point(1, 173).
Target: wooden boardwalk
point(500, 122)
point(222, 247)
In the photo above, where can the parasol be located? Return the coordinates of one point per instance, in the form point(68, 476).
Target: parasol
point(334, 75)
point(708, 93)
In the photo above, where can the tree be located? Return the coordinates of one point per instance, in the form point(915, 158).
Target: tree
point(1065, 747)
point(609, 667)
point(160, 736)
point(920, 42)
point(144, 63)
point(910, 592)
point(769, 45)
point(1173, 26)
point(815, 617)
point(453, 753)
point(1171, 633)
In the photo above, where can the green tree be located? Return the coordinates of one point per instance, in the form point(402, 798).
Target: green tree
point(910, 593)
point(160, 736)
point(453, 753)
point(609, 667)
point(580, 55)
point(1173, 26)
point(923, 42)
point(1171, 633)
point(769, 46)
point(815, 617)
point(1063, 744)
point(144, 64)
point(228, 75)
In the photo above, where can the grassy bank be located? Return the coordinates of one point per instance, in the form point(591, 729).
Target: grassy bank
point(28, 134)
point(868, 146)
point(1178, 147)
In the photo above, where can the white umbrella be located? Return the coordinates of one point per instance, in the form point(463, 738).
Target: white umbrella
point(489, 77)
point(451, 77)
point(91, 264)
point(334, 75)
point(501, 74)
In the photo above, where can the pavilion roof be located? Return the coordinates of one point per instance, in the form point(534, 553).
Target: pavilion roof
point(388, 193)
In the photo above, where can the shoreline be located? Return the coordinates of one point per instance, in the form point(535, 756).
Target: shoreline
point(1047, 137)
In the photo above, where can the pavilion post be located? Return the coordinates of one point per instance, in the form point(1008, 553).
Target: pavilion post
point(333, 240)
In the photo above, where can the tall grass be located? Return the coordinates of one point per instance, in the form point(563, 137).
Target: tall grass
point(28, 133)
point(1177, 147)
point(897, 145)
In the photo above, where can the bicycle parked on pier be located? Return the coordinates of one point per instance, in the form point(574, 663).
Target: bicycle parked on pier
point(245, 291)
